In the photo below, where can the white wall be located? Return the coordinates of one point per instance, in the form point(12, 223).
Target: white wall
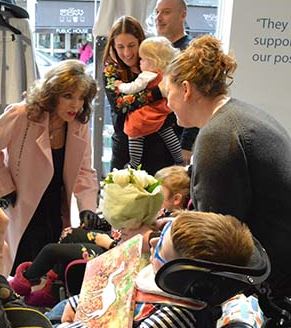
point(258, 32)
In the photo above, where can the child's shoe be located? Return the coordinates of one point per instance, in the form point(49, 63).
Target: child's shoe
point(44, 297)
point(19, 283)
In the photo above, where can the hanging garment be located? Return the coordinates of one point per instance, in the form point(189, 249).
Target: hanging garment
point(17, 60)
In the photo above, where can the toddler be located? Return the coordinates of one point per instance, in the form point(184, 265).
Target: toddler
point(175, 183)
point(155, 54)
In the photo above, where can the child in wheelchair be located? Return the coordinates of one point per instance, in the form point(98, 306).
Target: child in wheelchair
point(165, 296)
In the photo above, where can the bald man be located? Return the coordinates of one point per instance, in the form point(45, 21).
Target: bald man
point(170, 16)
point(170, 21)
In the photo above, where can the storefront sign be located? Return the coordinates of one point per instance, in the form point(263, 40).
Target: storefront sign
point(65, 16)
point(72, 30)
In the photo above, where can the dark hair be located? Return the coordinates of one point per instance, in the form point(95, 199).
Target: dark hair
point(127, 25)
point(67, 76)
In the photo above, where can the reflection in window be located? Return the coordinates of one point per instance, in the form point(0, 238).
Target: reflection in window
point(44, 40)
point(59, 41)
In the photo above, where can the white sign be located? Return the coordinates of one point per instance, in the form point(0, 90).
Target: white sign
point(260, 38)
point(72, 15)
point(72, 30)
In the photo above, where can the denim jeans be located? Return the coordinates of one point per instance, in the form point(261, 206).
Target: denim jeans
point(55, 314)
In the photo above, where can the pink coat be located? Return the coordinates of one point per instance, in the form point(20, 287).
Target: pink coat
point(26, 166)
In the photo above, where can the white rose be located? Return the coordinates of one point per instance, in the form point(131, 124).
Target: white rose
point(142, 179)
point(121, 177)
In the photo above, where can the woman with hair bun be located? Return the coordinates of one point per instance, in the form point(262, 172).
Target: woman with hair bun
point(242, 155)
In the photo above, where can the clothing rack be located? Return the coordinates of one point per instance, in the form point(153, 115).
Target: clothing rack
point(14, 10)
point(5, 23)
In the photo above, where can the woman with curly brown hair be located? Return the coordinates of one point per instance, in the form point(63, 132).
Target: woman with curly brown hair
point(242, 156)
point(45, 157)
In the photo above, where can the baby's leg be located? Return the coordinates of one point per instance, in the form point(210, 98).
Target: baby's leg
point(135, 146)
point(76, 235)
point(58, 254)
point(173, 144)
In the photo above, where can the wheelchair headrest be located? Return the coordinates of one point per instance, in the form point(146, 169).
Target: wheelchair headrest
point(210, 282)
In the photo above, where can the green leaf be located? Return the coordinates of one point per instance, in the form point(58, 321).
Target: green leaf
point(152, 187)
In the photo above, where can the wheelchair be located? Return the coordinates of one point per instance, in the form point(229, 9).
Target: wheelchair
point(214, 283)
point(14, 313)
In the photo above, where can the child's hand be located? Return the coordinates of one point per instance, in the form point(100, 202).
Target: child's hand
point(163, 88)
point(103, 240)
point(117, 83)
point(68, 314)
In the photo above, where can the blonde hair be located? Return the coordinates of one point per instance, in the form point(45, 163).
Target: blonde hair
point(158, 50)
point(68, 75)
point(204, 64)
point(177, 180)
point(212, 237)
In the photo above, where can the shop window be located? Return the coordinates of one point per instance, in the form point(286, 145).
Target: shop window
point(75, 40)
point(59, 41)
point(44, 40)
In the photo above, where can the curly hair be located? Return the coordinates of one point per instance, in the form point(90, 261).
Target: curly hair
point(127, 25)
point(158, 50)
point(212, 237)
point(68, 75)
point(204, 64)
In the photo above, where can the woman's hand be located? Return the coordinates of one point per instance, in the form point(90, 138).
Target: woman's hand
point(68, 314)
point(89, 220)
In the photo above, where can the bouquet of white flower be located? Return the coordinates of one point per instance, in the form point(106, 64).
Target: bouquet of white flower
point(131, 198)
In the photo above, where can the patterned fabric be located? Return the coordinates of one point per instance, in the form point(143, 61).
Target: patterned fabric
point(124, 103)
point(169, 317)
point(241, 309)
